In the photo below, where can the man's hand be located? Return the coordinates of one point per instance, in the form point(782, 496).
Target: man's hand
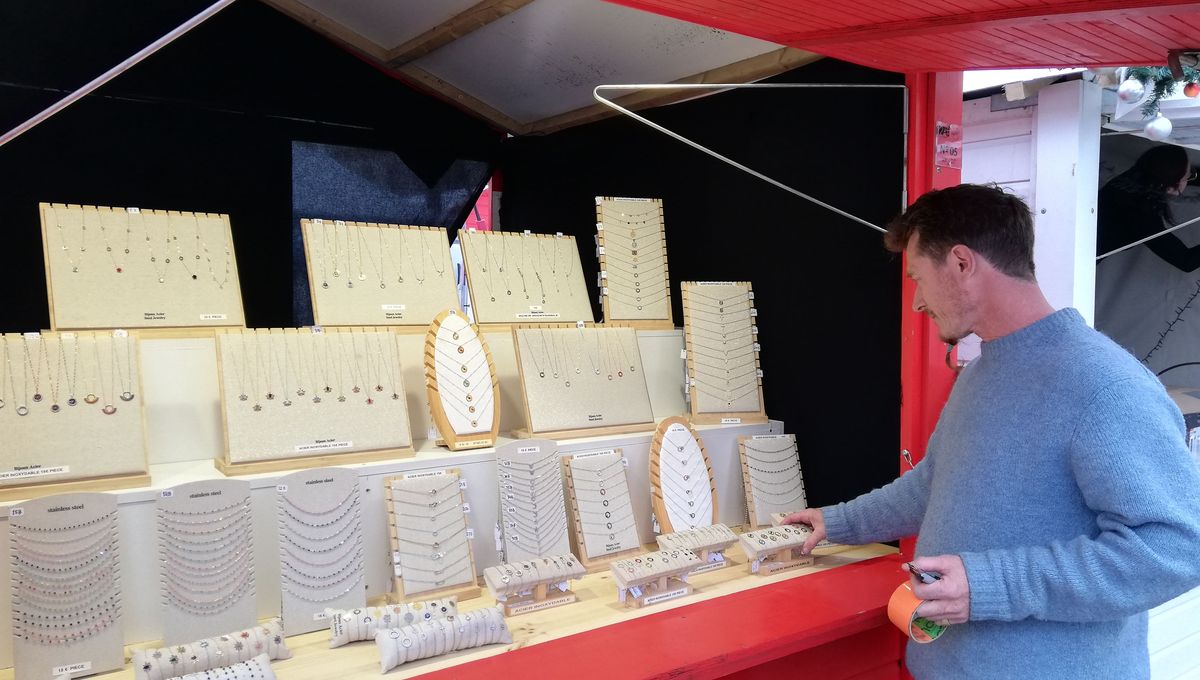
point(813, 518)
point(947, 600)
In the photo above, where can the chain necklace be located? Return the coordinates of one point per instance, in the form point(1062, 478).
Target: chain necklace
point(429, 252)
point(109, 407)
point(420, 279)
point(127, 393)
point(7, 373)
point(62, 235)
point(161, 273)
point(588, 354)
point(119, 266)
point(375, 267)
point(387, 252)
point(57, 381)
point(35, 367)
point(299, 364)
point(520, 273)
point(322, 364)
point(553, 265)
point(179, 249)
point(73, 371)
point(386, 365)
point(358, 237)
point(228, 262)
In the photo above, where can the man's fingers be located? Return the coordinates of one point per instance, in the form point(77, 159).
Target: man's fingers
point(936, 563)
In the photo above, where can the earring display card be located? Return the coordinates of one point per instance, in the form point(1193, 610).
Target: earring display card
point(131, 268)
point(320, 546)
point(683, 491)
point(721, 332)
point(206, 559)
point(369, 274)
point(300, 393)
point(578, 378)
point(70, 409)
point(773, 479)
point(533, 510)
point(523, 277)
point(604, 522)
point(631, 242)
point(66, 586)
point(431, 537)
point(460, 378)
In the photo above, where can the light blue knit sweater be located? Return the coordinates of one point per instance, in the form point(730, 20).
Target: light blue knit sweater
point(1059, 473)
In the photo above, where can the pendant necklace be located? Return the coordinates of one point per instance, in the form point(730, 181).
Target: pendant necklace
point(35, 368)
point(387, 251)
point(521, 262)
point(179, 249)
point(553, 263)
point(428, 251)
point(322, 364)
point(242, 370)
point(355, 373)
point(324, 253)
point(127, 377)
point(7, 372)
point(284, 369)
point(299, 363)
point(358, 236)
point(367, 371)
point(595, 368)
point(57, 381)
point(503, 260)
point(387, 364)
point(377, 268)
point(66, 249)
point(350, 259)
point(109, 408)
point(420, 279)
point(537, 271)
point(22, 408)
point(90, 397)
point(228, 261)
point(119, 266)
point(338, 362)
point(337, 271)
point(311, 364)
point(161, 273)
point(264, 339)
point(569, 268)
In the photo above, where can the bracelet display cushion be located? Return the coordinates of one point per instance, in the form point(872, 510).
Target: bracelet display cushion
point(222, 650)
point(424, 639)
point(346, 626)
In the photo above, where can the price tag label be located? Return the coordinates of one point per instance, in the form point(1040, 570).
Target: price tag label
point(625, 461)
point(603, 274)
point(683, 354)
point(462, 483)
point(339, 223)
point(580, 324)
point(635, 591)
point(133, 211)
point(281, 488)
point(525, 233)
point(599, 226)
point(16, 512)
point(753, 312)
point(558, 234)
point(751, 295)
point(120, 333)
point(317, 330)
point(318, 221)
point(166, 493)
point(759, 373)
point(600, 250)
point(470, 533)
point(466, 508)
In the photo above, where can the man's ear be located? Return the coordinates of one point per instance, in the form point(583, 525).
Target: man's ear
point(963, 259)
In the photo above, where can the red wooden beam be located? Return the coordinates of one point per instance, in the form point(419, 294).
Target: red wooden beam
point(1080, 10)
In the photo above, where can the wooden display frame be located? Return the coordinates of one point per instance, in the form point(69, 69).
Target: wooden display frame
point(448, 437)
point(235, 468)
point(601, 562)
point(727, 417)
point(463, 591)
point(416, 324)
point(749, 487)
point(528, 432)
point(475, 292)
point(601, 252)
point(113, 482)
point(172, 329)
point(657, 501)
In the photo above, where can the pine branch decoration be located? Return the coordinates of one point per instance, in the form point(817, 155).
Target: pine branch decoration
point(1159, 83)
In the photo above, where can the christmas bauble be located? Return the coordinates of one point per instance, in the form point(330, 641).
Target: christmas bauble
point(1191, 89)
point(1159, 128)
point(1131, 91)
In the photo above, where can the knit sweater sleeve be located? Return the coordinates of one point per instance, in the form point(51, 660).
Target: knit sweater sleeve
point(1130, 463)
point(885, 514)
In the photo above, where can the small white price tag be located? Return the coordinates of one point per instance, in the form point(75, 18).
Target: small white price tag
point(683, 354)
point(754, 330)
point(499, 537)
point(462, 483)
point(167, 493)
point(397, 571)
point(558, 234)
point(339, 223)
point(320, 616)
point(635, 591)
point(396, 557)
point(65, 335)
point(580, 324)
point(33, 335)
point(281, 488)
point(133, 211)
point(599, 226)
point(471, 230)
point(759, 373)
point(466, 508)
point(470, 533)
point(525, 232)
point(625, 461)
point(16, 512)
point(757, 347)
point(318, 221)
point(600, 250)
point(753, 312)
point(751, 295)
point(120, 333)
point(604, 290)
point(603, 274)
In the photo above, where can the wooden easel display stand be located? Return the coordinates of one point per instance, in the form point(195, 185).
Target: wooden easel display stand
point(719, 417)
point(448, 435)
point(657, 473)
point(593, 563)
point(619, 299)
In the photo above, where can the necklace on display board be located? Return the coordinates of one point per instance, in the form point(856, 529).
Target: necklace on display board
point(376, 267)
point(421, 277)
point(55, 382)
point(118, 266)
point(109, 407)
point(66, 248)
point(429, 252)
point(179, 250)
point(72, 371)
point(161, 274)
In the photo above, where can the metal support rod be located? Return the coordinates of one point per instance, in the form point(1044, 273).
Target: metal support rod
point(115, 71)
point(724, 159)
point(1148, 238)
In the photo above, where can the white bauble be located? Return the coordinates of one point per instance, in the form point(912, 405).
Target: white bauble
point(1159, 128)
point(1131, 91)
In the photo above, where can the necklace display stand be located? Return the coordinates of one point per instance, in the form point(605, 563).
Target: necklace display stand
point(772, 477)
point(461, 383)
point(709, 543)
point(581, 380)
point(131, 268)
point(635, 281)
point(370, 274)
point(654, 577)
point(776, 549)
point(71, 414)
point(301, 398)
point(66, 586)
point(599, 491)
point(721, 332)
point(320, 546)
point(534, 585)
point(519, 277)
point(683, 491)
point(533, 512)
point(206, 559)
point(430, 536)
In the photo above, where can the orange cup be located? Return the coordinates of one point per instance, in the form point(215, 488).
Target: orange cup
point(902, 610)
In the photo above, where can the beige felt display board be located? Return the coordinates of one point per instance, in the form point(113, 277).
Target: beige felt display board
point(721, 333)
point(460, 379)
point(587, 475)
point(635, 282)
point(772, 476)
point(311, 398)
point(582, 378)
point(370, 274)
point(430, 536)
point(132, 268)
point(683, 490)
point(523, 278)
point(533, 511)
point(81, 399)
point(66, 587)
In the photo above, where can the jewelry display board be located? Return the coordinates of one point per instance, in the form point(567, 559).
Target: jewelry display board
point(430, 536)
point(66, 586)
point(533, 510)
point(131, 268)
point(320, 546)
point(775, 549)
point(534, 585)
point(206, 559)
point(772, 475)
point(631, 242)
point(683, 491)
point(523, 277)
point(581, 380)
point(369, 274)
point(654, 577)
point(721, 332)
point(306, 398)
point(460, 378)
point(599, 492)
point(70, 413)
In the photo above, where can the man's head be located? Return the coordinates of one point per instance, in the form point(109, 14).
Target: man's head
point(957, 241)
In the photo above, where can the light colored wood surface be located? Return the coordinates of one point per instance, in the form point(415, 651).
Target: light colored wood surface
point(597, 606)
point(449, 437)
point(111, 483)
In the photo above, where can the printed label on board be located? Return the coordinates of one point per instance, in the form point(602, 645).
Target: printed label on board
point(16, 512)
point(320, 616)
point(669, 595)
point(324, 445)
point(27, 471)
point(72, 668)
point(633, 200)
point(537, 315)
point(167, 493)
point(392, 308)
point(213, 317)
point(281, 488)
point(731, 421)
point(589, 454)
point(711, 566)
point(472, 443)
point(470, 533)
point(427, 473)
point(154, 316)
point(770, 436)
point(529, 449)
point(716, 283)
point(540, 605)
point(535, 308)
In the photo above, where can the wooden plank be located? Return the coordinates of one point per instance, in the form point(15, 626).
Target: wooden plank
point(329, 28)
point(430, 84)
point(469, 20)
point(109, 483)
point(281, 464)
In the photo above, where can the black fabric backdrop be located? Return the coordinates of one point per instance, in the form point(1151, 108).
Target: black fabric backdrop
point(827, 292)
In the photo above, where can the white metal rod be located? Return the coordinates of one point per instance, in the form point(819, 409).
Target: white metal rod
point(1148, 238)
point(114, 71)
point(724, 159)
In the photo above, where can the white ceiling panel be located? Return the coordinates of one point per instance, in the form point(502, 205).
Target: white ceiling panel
point(390, 23)
point(545, 58)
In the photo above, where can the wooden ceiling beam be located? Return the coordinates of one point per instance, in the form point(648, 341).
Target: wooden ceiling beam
point(1077, 11)
point(467, 21)
point(329, 28)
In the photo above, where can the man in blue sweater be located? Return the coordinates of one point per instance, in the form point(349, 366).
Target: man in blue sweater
point(1057, 498)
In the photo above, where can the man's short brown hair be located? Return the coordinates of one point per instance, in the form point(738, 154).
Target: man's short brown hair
point(989, 221)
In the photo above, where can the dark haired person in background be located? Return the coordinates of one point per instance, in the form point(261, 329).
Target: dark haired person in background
point(1136, 204)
